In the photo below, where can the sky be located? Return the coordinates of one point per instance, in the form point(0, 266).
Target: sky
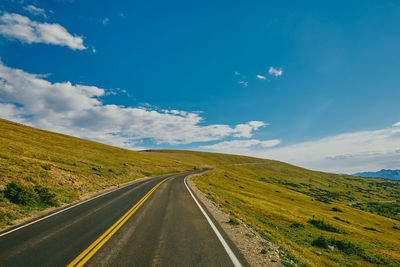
point(312, 83)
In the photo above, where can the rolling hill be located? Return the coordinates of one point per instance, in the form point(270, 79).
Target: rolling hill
point(306, 213)
point(63, 169)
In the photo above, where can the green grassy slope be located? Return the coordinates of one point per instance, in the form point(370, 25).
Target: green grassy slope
point(303, 211)
point(53, 169)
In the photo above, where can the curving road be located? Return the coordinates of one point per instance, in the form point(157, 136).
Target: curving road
point(154, 222)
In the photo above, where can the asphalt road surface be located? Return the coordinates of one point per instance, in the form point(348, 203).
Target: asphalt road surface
point(154, 222)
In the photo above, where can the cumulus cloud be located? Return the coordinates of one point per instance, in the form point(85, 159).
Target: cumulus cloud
point(275, 72)
point(18, 27)
point(343, 153)
point(78, 110)
point(261, 77)
point(397, 124)
point(240, 146)
point(245, 130)
point(35, 10)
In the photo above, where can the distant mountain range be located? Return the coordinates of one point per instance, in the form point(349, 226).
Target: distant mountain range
point(388, 174)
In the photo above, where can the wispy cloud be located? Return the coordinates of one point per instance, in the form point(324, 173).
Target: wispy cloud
point(237, 73)
point(79, 110)
point(18, 27)
point(261, 77)
point(240, 146)
point(105, 21)
point(343, 153)
point(397, 124)
point(244, 83)
point(35, 11)
point(275, 72)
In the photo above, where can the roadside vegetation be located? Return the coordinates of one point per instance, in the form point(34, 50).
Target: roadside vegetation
point(390, 210)
point(302, 211)
point(40, 169)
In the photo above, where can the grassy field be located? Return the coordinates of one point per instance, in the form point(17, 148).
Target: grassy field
point(303, 211)
point(39, 169)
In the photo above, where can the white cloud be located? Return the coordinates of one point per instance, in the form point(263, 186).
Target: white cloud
point(236, 73)
point(78, 110)
point(240, 146)
point(15, 26)
point(275, 72)
point(105, 21)
point(261, 77)
point(244, 83)
point(245, 130)
point(397, 124)
point(35, 10)
point(270, 143)
point(343, 153)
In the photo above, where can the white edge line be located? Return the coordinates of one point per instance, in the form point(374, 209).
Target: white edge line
point(228, 250)
point(70, 207)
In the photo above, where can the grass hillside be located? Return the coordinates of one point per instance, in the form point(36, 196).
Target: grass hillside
point(303, 211)
point(39, 169)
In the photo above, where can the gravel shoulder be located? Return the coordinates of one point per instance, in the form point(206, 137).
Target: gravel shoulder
point(256, 250)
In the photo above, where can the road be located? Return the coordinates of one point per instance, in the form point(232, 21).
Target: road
point(154, 222)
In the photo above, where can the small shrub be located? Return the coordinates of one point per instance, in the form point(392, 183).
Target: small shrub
point(320, 242)
point(345, 246)
point(339, 219)
point(263, 251)
point(37, 196)
point(336, 209)
point(46, 167)
point(297, 225)
point(371, 229)
point(7, 218)
point(324, 226)
point(324, 200)
point(46, 197)
point(233, 221)
point(287, 264)
point(19, 194)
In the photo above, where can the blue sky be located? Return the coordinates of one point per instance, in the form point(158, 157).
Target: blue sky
point(312, 83)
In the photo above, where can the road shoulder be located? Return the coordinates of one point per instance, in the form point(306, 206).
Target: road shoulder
point(248, 241)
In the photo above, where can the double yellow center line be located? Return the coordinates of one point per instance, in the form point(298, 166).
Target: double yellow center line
point(96, 245)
